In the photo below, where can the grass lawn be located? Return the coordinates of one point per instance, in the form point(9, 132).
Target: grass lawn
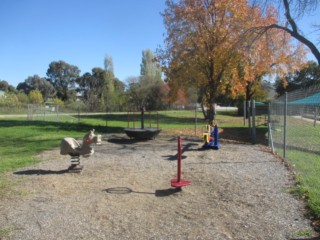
point(307, 166)
point(302, 152)
point(21, 139)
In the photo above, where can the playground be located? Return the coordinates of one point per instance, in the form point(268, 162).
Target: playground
point(240, 191)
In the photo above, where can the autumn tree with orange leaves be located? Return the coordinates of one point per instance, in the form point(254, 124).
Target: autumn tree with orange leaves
point(208, 47)
point(273, 54)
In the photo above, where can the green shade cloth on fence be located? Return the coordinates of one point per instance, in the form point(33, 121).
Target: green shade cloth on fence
point(311, 100)
point(261, 103)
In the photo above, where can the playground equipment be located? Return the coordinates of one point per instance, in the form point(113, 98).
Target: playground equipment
point(178, 182)
point(71, 147)
point(211, 137)
point(142, 133)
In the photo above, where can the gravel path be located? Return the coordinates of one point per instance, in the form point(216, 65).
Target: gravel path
point(124, 192)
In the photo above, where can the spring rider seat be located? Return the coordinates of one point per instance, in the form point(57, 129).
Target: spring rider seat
point(71, 147)
point(211, 137)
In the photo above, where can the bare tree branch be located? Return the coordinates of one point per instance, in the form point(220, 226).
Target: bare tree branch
point(297, 36)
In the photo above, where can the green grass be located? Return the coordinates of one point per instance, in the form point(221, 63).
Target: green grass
point(22, 140)
point(307, 166)
point(302, 152)
point(5, 231)
point(302, 233)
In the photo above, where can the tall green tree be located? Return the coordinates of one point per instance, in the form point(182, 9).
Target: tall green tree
point(110, 94)
point(149, 65)
point(120, 96)
point(145, 90)
point(6, 87)
point(307, 76)
point(62, 76)
point(89, 89)
point(136, 94)
point(100, 91)
point(108, 64)
point(142, 92)
point(35, 82)
point(151, 80)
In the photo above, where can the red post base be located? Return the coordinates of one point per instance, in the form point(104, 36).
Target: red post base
point(178, 184)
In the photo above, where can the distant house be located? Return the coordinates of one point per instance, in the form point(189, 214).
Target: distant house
point(1, 93)
point(79, 97)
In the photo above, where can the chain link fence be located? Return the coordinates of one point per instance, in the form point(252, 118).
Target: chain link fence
point(255, 115)
point(294, 125)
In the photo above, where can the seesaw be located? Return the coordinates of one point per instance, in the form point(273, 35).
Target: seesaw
point(211, 137)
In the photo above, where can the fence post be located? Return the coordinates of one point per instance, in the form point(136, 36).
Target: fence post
point(29, 115)
point(249, 117)
point(270, 140)
point(44, 112)
point(285, 125)
point(196, 120)
point(58, 112)
point(315, 115)
point(244, 112)
point(269, 124)
point(78, 114)
point(253, 108)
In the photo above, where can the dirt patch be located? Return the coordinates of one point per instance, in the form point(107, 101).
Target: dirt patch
point(238, 192)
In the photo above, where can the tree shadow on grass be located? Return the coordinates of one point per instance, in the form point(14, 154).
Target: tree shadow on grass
point(40, 172)
point(124, 140)
point(243, 135)
point(63, 126)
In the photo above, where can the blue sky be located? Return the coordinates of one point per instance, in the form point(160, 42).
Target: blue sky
point(33, 33)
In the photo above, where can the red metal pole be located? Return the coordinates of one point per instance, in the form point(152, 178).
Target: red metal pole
point(179, 159)
point(178, 182)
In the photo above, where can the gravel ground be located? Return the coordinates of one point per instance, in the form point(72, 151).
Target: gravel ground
point(238, 192)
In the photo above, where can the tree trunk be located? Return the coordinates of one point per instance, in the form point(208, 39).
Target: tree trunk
point(212, 113)
point(204, 112)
